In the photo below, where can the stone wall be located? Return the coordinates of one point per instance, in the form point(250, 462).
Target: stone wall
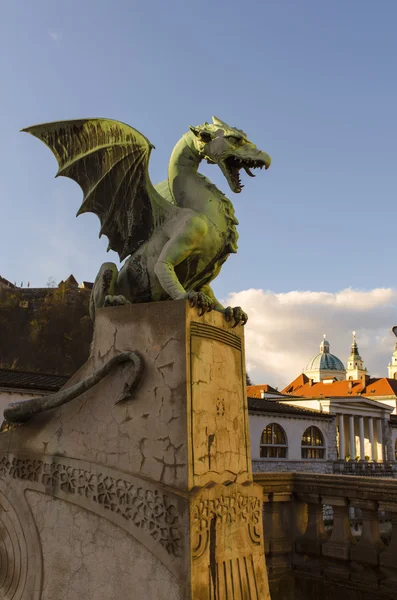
point(95, 556)
point(264, 465)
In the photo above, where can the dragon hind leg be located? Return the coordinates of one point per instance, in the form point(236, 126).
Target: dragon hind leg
point(104, 292)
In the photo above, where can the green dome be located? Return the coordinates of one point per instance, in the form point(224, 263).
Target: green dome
point(325, 361)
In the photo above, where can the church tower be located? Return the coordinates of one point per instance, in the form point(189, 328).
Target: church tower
point(392, 367)
point(355, 364)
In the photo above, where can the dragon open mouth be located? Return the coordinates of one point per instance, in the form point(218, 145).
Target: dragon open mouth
point(232, 166)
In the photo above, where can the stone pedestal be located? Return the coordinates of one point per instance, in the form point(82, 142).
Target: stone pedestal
point(151, 498)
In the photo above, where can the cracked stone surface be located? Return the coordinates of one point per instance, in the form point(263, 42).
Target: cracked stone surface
point(151, 463)
point(144, 435)
point(188, 409)
point(85, 556)
point(219, 428)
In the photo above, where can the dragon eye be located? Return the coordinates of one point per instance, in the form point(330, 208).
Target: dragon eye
point(234, 139)
point(205, 137)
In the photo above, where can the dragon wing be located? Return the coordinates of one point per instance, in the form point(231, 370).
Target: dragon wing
point(109, 160)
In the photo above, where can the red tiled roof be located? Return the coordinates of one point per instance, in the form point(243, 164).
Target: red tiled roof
point(274, 406)
point(254, 391)
point(371, 388)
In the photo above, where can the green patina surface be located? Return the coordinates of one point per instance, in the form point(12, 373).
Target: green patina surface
point(175, 235)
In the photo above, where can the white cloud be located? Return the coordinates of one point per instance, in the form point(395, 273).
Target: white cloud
point(54, 35)
point(284, 330)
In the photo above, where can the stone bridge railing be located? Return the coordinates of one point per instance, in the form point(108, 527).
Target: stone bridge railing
point(366, 468)
point(330, 536)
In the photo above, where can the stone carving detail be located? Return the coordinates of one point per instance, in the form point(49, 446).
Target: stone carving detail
point(234, 579)
point(215, 333)
point(226, 510)
point(220, 407)
point(219, 426)
point(19, 412)
point(145, 508)
point(20, 552)
point(11, 564)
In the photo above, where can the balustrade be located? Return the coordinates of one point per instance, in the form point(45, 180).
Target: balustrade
point(355, 557)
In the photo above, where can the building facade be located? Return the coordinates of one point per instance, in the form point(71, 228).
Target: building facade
point(291, 438)
point(364, 415)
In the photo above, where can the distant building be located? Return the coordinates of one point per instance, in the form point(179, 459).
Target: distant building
point(325, 365)
point(392, 366)
point(364, 409)
point(290, 438)
point(32, 297)
point(263, 391)
point(355, 365)
point(4, 283)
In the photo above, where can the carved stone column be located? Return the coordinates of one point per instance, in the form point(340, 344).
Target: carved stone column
point(342, 452)
point(278, 531)
point(362, 439)
point(159, 485)
point(379, 435)
point(388, 558)
point(352, 437)
point(341, 540)
point(315, 535)
point(370, 545)
point(371, 437)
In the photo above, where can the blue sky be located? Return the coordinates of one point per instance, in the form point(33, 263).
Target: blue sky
point(313, 83)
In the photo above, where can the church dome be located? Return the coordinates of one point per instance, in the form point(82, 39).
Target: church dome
point(325, 361)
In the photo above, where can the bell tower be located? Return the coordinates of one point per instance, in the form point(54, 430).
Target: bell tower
point(355, 364)
point(392, 366)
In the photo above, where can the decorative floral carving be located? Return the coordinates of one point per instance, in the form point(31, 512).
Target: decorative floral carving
point(146, 508)
point(25, 469)
point(225, 510)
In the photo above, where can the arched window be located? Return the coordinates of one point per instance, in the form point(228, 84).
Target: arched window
point(273, 442)
point(313, 443)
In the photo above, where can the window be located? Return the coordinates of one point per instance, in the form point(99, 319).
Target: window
point(395, 450)
point(313, 443)
point(273, 442)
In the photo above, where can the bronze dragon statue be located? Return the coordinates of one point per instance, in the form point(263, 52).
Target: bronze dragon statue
point(175, 235)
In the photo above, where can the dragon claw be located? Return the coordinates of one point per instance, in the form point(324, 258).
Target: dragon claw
point(115, 301)
point(203, 302)
point(236, 314)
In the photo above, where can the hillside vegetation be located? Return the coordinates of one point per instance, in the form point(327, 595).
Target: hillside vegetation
point(49, 331)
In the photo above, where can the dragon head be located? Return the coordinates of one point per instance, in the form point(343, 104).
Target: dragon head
point(230, 148)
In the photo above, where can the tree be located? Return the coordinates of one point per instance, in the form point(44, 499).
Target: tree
point(248, 379)
point(51, 282)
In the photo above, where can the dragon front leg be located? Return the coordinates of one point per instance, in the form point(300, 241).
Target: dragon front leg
point(104, 292)
point(183, 243)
